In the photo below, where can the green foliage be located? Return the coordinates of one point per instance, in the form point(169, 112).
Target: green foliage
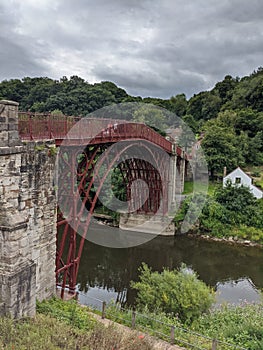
point(242, 207)
point(105, 338)
point(40, 333)
point(65, 325)
point(228, 212)
point(40, 148)
point(150, 115)
point(230, 116)
point(69, 312)
point(114, 187)
point(179, 104)
point(225, 88)
point(52, 151)
point(158, 325)
point(191, 122)
point(248, 92)
point(144, 319)
point(233, 211)
point(221, 148)
point(71, 96)
point(178, 293)
point(241, 325)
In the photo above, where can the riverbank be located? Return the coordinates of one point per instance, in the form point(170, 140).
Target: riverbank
point(106, 220)
point(231, 214)
point(232, 240)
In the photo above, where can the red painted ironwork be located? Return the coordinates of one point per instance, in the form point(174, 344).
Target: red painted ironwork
point(69, 250)
point(37, 126)
point(78, 169)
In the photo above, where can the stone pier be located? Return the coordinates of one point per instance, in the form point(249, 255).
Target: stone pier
point(27, 218)
point(157, 224)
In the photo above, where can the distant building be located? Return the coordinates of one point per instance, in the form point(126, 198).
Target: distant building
point(239, 177)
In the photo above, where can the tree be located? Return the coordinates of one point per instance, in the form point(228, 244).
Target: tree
point(176, 292)
point(221, 148)
point(248, 92)
point(151, 116)
point(235, 198)
point(255, 149)
point(204, 105)
point(225, 88)
point(249, 120)
point(242, 207)
point(178, 104)
point(191, 122)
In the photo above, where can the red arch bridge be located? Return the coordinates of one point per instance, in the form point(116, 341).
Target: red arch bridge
point(151, 169)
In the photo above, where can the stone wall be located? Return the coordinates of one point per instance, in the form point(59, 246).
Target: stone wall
point(27, 218)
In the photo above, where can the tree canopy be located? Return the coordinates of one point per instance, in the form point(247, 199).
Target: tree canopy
point(230, 115)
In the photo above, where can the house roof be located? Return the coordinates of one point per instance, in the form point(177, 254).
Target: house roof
point(238, 168)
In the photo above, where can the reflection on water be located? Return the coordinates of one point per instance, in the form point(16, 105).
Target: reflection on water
point(236, 272)
point(237, 292)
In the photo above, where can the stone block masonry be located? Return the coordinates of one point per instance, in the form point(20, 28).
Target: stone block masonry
point(27, 218)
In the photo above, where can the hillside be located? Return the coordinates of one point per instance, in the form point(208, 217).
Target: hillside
point(230, 116)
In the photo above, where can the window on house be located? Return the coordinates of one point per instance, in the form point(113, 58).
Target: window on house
point(238, 180)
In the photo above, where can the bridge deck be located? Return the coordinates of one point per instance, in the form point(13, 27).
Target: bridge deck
point(80, 131)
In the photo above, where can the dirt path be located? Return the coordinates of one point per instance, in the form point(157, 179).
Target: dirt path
point(157, 343)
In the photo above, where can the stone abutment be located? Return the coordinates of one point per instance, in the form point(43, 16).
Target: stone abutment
point(27, 218)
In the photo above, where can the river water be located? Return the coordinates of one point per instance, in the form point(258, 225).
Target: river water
point(234, 271)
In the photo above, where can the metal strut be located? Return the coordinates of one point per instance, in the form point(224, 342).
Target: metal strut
point(78, 171)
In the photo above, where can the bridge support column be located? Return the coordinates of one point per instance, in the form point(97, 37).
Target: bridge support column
point(188, 171)
point(27, 219)
point(182, 174)
point(172, 183)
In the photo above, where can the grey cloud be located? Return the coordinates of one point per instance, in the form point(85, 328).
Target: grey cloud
point(152, 83)
point(149, 48)
point(16, 61)
point(242, 10)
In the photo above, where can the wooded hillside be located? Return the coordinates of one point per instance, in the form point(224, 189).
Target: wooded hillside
point(230, 116)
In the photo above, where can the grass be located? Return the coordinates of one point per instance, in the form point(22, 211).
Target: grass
point(65, 325)
point(241, 325)
point(158, 325)
point(232, 326)
point(200, 187)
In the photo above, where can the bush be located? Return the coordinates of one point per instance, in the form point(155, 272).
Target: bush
point(44, 332)
point(177, 293)
point(69, 312)
point(231, 211)
point(240, 325)
point(235, 198)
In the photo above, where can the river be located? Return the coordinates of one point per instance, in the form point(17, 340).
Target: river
point(234, 271)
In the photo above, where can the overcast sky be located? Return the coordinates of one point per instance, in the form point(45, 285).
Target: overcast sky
point(153, 48)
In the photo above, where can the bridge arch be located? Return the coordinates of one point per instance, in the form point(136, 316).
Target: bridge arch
point(29, 199)
point(136, 160)
point(95, 135)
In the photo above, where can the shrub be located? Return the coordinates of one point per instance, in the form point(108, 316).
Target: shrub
point(177, 292)
point(240, 325)
point(44, 332)
point(69, 312)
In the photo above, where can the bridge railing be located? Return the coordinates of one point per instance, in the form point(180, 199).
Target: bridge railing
point(43, 126)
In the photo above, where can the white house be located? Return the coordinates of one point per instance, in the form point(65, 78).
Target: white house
point(238, 177)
